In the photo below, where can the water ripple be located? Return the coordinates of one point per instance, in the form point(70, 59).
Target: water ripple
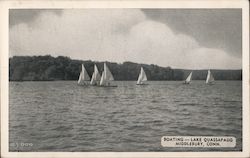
point(61, 116)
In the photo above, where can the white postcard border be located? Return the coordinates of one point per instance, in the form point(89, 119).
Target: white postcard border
point(4, 47)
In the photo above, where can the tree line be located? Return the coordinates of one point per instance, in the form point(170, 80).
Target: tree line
point(49, 68)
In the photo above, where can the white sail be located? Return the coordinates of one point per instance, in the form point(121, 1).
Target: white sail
point(83, 77)
point(95, 77)
point(210, 77)
point(142, 77)
point(106, 76)
point(189, 78)
point(80, 78)
point(102, 82)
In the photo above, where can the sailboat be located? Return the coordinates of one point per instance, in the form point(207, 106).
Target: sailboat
point(210, 78)
point(107, 78)
point(188, 79)
point(142, 78)
point(83, 77)
point(96, 77)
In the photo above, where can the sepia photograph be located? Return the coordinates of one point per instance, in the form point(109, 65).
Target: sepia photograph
point(132, 79)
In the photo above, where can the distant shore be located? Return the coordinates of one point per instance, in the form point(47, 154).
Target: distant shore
point(48, 68)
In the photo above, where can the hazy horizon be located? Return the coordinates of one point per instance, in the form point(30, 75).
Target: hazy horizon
point(178, 38)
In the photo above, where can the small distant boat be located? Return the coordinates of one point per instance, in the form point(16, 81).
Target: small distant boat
point(96, 77)
point(210, 78)
point(142, 78)
point(107, 78)
point(188, 79)
point(83, 77)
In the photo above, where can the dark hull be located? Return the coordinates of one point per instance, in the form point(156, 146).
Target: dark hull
point(142, 84)
point(108, 86)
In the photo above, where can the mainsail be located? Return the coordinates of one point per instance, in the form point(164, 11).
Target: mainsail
point(95, 77)
point(142, 77)
point(210, 78)
point(188, 79)
point(106, 76)
point(83, 76)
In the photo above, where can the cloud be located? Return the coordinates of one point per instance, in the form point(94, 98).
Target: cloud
point(18, 16)
point(208, 58)
point(213, 28)
point(116, 35)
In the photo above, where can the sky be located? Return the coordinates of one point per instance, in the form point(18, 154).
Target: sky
point(179, 38)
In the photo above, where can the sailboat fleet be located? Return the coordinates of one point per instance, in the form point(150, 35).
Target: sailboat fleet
point(106, 79)
point(96, 80)
point(209, 79)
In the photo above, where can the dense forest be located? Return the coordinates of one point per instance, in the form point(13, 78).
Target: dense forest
point(48, 68)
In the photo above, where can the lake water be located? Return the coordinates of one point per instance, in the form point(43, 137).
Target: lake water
point(62, 116)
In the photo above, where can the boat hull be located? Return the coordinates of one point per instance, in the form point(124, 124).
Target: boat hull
point(210, 83)
point(142, 84)
point(94, 85)
point(83, 85)
point(107, 86)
